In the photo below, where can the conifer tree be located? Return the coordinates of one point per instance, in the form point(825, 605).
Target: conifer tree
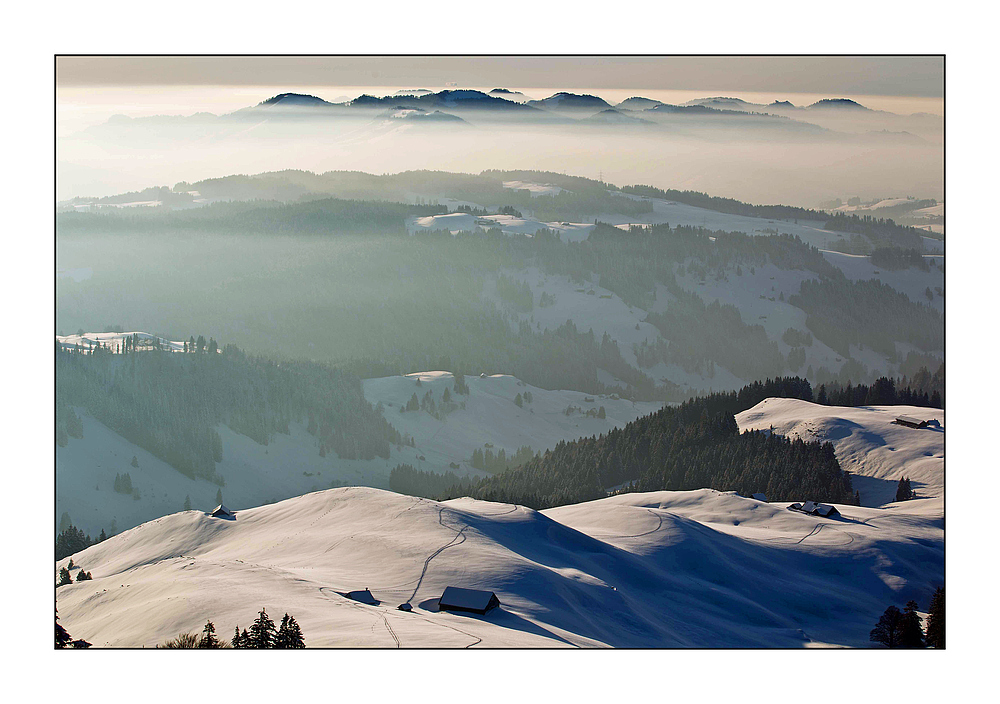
point(64, 577)
point(237, 638)
point(935, 620)
point(63, 638)
point(187, 502)
point(888, 629)
point(262, 631)
point(208, 639)
point(289, 634)
point(903, 490)
point(911, 635)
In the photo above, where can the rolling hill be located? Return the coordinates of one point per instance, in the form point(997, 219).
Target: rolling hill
point(666, 569)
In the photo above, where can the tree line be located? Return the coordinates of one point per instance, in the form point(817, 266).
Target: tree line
point(170, 404)
point(692, 446)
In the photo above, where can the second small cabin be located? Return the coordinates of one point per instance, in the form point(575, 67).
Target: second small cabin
point(911, 422)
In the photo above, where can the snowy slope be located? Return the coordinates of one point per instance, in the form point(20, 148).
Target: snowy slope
point(911, 281)
point(115, 339)
point(680, 569)
point(875, 450)
point(491, 416)
point(508, 224)
point(674, 213)
point(290, 465)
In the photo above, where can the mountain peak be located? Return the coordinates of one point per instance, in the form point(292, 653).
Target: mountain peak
point(838, 104)
point(294, 100)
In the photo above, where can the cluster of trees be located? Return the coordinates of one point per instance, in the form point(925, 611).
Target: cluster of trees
point(727, 205)
point(904, 492)
point(329, 216)
point(427, 403)
point(701, 333)
point(517, 294)
point(841, 313)
point(924, 389)
point(486, 460)
point(691, 446)
point(170, 404)
point(902, 629)
point(882, 232)
point(263, 634)
point(895, 258)
point(65, 577)
point(406, 479)
point(797, 338)
point(68, 423)
point(71, 540)
point(123, 485)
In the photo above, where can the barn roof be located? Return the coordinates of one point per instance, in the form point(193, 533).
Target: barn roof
point(471, 599)
point(826, 510)
point(809, 506)
point(759, 497)
point(910, 420)
point(221, 510)
point(364, 596)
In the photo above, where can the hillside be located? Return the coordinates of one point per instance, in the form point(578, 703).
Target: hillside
point(876, 451)
point(293, 461)
point(674, 569)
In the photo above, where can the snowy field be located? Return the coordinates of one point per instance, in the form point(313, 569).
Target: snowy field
point(868, 444)
point(508, 224)
point(290, 465)
point(491, 416)
point(674, 214)
point(668, 569)
point(912, 281)
point(114, 340)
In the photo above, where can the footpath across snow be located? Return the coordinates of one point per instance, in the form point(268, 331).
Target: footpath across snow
point(674, 569)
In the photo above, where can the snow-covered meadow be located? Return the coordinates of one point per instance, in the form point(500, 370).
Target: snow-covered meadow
point(663, 569)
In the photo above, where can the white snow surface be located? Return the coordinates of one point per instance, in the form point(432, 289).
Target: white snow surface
point(113, 339)
point(491, 416)
point(876, 451)
point(663, 569)
point(508, 224)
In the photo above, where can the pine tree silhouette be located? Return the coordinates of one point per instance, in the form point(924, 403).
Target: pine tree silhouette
point(262, 631)
point(62, 637)
point(889, 628)
point(912, 635)
point(208, 639)
point(935, 620)
point(289, 634)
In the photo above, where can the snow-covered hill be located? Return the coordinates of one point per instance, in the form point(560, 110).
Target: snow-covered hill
point(290, 465)
point(674, 569)
point(876, 451)
point(490, 416)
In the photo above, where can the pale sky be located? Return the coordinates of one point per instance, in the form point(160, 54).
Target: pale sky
point(916, 76)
